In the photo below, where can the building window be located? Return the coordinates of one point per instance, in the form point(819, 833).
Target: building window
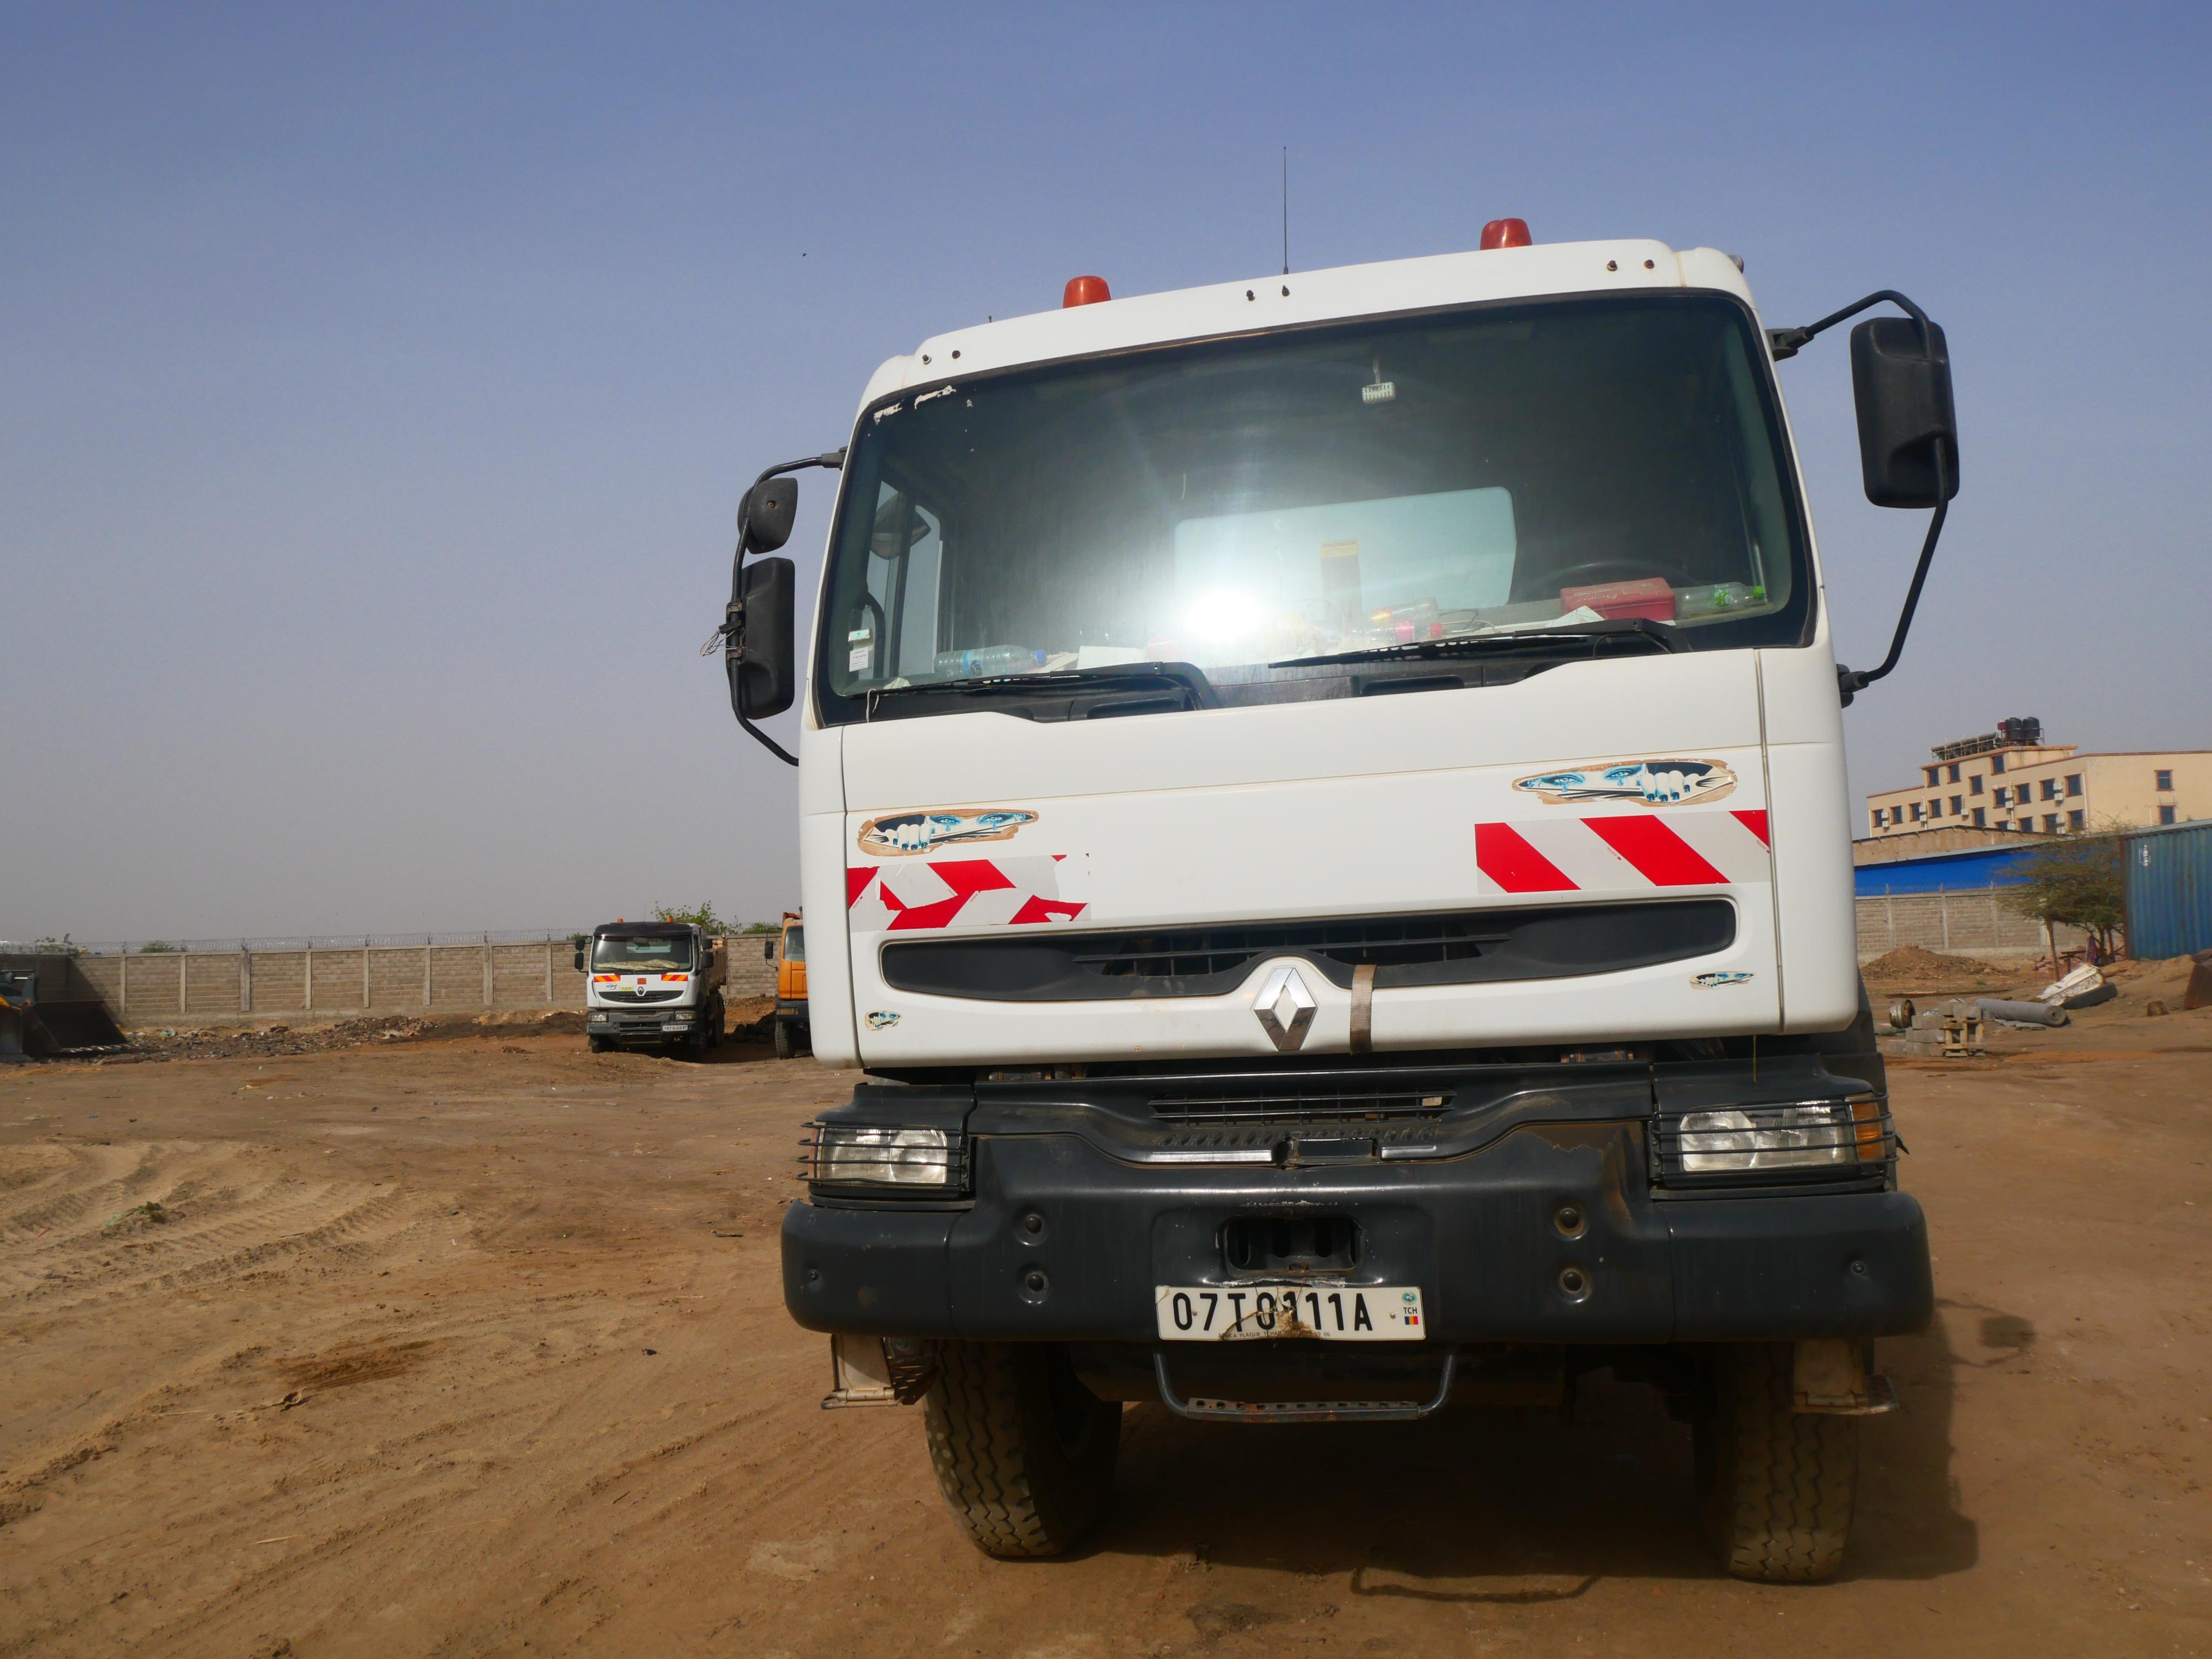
point(2165, 779)
point(1974, 784)
point(1936, 808)
point(2166, 814)
point(1934, 774)
point(1952, 773)
point(2051, 789)
point(1915, 811)
point(1979, 815)
point(2050, 823)
point(1996, 764)
point(1958, 806)
point(2074, 819)
point(2073, 783)
point(1874, 818)
point(2004, 796)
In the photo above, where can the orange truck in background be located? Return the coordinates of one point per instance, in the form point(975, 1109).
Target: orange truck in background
point(793, 1034)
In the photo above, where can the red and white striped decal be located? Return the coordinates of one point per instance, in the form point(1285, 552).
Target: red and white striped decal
point(1623, 853)
point(965, 893)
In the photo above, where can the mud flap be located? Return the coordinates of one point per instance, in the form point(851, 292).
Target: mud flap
point(1831, 1378)
point(878, 1370)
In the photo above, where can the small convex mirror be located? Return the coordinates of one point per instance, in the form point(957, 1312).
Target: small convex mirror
point(765, 515)
point(1908, 430)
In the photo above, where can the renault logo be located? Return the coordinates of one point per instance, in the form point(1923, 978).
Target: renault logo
point(1285, 1008)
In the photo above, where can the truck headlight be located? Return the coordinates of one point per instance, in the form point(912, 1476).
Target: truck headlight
point(886, 1155)
point(1838, 1138)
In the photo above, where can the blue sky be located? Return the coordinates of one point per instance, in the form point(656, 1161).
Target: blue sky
point(380, 381)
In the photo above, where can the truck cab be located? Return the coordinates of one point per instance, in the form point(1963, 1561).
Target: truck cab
point(652, 985)
point(1322, 801)
point(791, 1031)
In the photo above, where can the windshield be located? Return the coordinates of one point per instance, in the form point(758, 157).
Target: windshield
point(794, 944)
point(1242, 503)
point(614, 953)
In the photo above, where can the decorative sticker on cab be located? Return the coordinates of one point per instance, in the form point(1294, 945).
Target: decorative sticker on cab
point(1721, 977)
point(966, 893)
point(1623, 852)
point(906, 835)
point(1644, 782)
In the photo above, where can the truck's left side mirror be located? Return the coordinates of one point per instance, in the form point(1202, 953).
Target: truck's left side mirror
point(768, 948)
point(1908, 430)
point(762, 669)
point(580, 959)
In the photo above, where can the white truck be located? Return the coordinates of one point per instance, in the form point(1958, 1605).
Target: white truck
point(1321, 804)
point(653, 985)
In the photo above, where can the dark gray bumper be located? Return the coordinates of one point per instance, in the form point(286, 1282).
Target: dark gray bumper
point(640, 1024)
point(1477, 1233)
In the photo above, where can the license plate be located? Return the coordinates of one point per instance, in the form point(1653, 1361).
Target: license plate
point(1368, 1312)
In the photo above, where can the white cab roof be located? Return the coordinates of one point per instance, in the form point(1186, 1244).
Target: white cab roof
point(1307, 296)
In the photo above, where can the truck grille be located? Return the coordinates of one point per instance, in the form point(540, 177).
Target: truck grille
point(1318, 1106)
point(1452, 948)
point(1375, 941)
point(639, 996)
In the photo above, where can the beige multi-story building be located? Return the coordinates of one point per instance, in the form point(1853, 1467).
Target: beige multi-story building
point(2010, 779)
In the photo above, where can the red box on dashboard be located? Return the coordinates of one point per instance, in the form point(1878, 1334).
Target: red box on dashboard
point(1649, 596)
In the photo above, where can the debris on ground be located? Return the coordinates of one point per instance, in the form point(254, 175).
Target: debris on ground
point(2082, 981)
point(280, 1039)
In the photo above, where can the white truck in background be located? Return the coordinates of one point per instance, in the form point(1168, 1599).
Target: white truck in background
point(1323, 813)
point(653, 985)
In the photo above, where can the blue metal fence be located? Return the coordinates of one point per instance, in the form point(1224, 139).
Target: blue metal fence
point(2170, 892)
point(1976, 867)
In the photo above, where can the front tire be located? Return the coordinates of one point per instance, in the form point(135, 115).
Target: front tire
point(1024, 1452)
point(1775, 1485)
point(783, 1039)
point(599, 1045)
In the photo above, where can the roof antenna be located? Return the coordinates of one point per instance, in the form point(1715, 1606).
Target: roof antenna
point(1287, 209)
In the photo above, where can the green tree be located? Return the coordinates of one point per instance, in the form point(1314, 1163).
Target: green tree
point(764, 928)
point(157, 947)
point(2080, 881)
point(703, 917)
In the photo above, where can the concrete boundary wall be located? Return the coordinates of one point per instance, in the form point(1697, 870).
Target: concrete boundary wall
point(185, 986)
point(1971, 923)
point(166, 987)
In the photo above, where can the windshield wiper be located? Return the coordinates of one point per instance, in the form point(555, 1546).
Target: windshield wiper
point(1662, 636)
point(1111, 676)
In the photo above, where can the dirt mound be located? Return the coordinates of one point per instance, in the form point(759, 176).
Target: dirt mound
point(279, 1039)
point(1909, 967)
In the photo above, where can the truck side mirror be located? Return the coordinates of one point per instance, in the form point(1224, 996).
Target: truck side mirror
point(762, 675)
point(766, 514)
point(580, 959)
point(768, 948)
point(1908, 430)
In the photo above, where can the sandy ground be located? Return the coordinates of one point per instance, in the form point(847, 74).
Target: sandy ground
point(476, 1346)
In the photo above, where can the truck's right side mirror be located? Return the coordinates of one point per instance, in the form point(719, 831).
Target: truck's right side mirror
point(768, 948)
point(1908, 430)
point(767, 512)
point(580, 959)
point(765, 674)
